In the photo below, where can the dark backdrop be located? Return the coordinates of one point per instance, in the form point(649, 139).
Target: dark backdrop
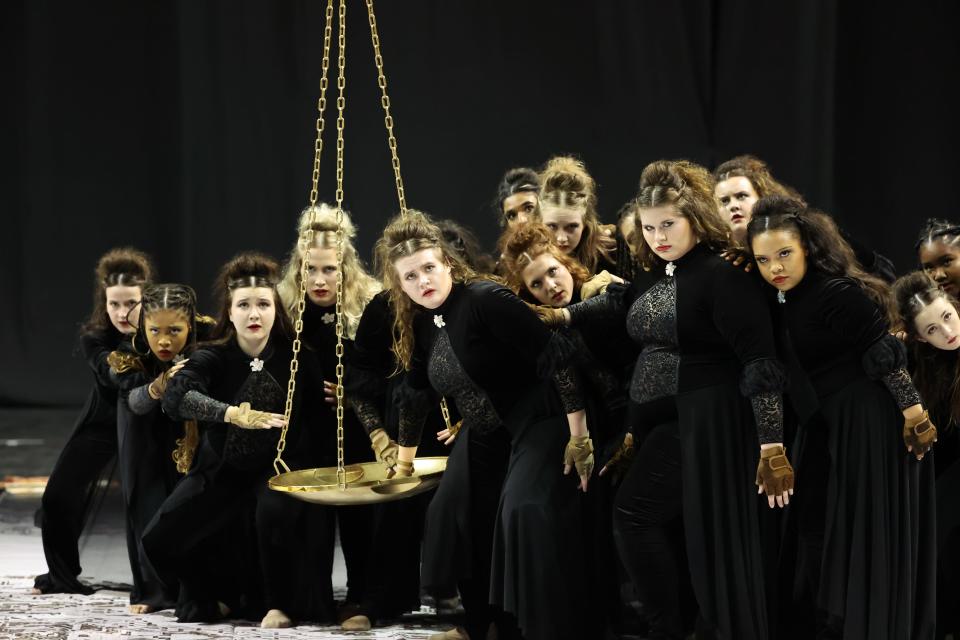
point(186, 128)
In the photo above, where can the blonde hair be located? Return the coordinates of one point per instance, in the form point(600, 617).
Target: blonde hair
point(359, 287)
point(566, 184)
point(404, 236)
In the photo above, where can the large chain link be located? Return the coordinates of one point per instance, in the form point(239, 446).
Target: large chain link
point(341, 104)
point(304, 244)
point(385, 103)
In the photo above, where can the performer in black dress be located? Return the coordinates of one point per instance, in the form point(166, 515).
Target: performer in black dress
point(540, 273)
point(152, 449)
point(480, 346)
point(931, 319)
point(120, 276)
point(320, 334)
point(878, 568)
point(708, 342)
point(568, 207)
point(235, 388)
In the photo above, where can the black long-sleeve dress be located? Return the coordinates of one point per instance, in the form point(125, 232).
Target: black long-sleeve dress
point(481, 348)
point(226, 493)
point(729, 401)
point(84, 460)
point(356, 521)
point(146, 439)
point(878, 568)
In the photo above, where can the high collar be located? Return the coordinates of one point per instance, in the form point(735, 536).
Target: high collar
point(455, 293)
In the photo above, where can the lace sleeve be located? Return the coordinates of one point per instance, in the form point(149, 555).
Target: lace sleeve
point(197, 406)
point(368, 413)
point(610, 304)
point(570, 394)
point(413, 405)
point(763, 381)
point(886, 360)
point(140, 402)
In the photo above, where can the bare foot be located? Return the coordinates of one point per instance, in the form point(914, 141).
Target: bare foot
point(358, 622)
point(138, 609)
point(36, 592)
point(275, 619)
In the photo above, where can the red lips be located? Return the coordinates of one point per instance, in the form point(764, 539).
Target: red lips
point(428, 293)
point(779, 279)
point(254, 327)
point(165, 354)
point(664, 247)
point(952, 340)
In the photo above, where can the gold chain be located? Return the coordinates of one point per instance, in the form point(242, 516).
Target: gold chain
point(304, 244)
point(341, 104)
point(385, 102)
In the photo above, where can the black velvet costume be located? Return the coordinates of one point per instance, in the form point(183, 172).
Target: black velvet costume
point(197, 532)
point(355, 522)
point(146, 439)
point(878, 567)
point(483, 348)
point(85, 459)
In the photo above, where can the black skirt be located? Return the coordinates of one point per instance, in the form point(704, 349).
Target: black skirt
point(540, 559)
point(719, 452)
point(878, 570)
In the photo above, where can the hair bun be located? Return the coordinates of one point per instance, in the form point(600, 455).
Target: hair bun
point(127, 264)
point(325, 220)
point(565, 173)
point(526, 238)
point(251, 268)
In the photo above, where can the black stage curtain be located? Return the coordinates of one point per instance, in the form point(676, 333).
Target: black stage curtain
point(186, 128)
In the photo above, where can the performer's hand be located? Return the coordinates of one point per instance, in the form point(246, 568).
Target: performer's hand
point(619, 463)
point(552, 316)
point(384, 449)
point(246, 418)
point(598, 284)
point(919, 433)
point(775, 475)
point(579, 454)
point(448, 435)
point(738, 257)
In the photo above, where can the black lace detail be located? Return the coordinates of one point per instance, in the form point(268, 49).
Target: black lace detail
point(197, 406)
point(140, 402)
point(413, 406)
point(606, 305)
point(768, 413)
point(570, 395)
point(255, 448)
point(448, 377)
point(652, 322)
point(368, 413)
point(763, 375)
point(902, 388)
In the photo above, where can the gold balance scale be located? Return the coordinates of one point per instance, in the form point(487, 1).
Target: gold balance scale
point(369, 482)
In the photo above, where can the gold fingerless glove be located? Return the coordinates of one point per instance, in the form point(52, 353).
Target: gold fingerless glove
point(404, 469)
point(774, 472)
point(247, 418)
point(622, 458)
point(579, 453)
point(596, 285)
point(384, 448)
point(550, 316)
point(919, 434)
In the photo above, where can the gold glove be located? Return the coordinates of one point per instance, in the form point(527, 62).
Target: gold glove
point(620, 461)
point(774, 472)
point(550, 316)
point(247, 418)
point(404, 469)
point(919, 434)
point(384, 448)
point(579, 453)
point(597, 284)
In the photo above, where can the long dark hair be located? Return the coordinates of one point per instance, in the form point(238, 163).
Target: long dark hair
point(174, 297)
point(124, 266)
point(936, 372)
point(517, 180)
point(826, 249)
point(249, 269)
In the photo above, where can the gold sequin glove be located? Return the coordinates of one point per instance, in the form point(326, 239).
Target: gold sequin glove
point(919, 434)
point(579, 453)
point(774, 473)
point(550, 316)
point(404, 469)
point(247, 418)
point(619, 463)
point(597, 284)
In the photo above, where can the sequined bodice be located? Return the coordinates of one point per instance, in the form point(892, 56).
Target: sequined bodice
point(448, 378)
point(652, 322)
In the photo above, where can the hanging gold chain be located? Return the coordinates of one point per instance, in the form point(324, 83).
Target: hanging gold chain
point(304, 243)
point(341, 104)
point(385, 103)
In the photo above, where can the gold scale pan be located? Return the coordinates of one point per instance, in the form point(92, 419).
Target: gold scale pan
point(369, 482)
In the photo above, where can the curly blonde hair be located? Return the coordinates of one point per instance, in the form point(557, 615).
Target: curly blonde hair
point(404, 236)
point(524, 244)
point(359, 287)
point(688, 188)
point(565, 183)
